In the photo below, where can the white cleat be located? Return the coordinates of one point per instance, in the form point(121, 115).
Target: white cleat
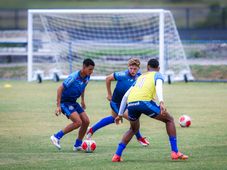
point(55, 141)
point(79, 148)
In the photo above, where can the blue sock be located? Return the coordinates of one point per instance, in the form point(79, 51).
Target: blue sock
point(78, 143)
point(173, 143)
point(120, 148)
point(103, 122)
point(59, 135)
point(138, 135)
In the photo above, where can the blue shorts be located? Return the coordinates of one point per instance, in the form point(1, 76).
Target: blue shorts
point(115, 106)
point(68, 108)
point(149, 108)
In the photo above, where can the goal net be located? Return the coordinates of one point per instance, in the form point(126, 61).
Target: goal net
point(59, 41)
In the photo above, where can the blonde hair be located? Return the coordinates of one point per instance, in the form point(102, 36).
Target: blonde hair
point(134, 62)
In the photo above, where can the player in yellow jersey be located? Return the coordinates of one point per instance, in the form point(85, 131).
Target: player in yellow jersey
point(141, 99)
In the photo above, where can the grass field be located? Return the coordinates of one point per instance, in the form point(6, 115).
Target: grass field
point(27, 121)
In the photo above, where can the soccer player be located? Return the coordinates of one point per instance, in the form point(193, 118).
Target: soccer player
point(71, 89)
point(124, 79)
point(140, 98)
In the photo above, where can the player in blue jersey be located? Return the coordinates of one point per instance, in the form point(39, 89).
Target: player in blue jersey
point(71, 89)
point(124, 79)
point(140, 98)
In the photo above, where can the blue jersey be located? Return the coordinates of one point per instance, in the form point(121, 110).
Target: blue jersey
point(74, 86)
point(124, 82)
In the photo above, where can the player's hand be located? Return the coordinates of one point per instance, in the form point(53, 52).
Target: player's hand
point(109, 97)
point(58, 111)
point(163, 109)
point(118, 120)
point(83, 105)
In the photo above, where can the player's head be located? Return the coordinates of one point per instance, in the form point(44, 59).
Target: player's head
point(133, 66)
point(88, 66)
point(153, 65)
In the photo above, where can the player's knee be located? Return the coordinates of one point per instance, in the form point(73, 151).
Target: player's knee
point(86, 122)
point(77, 123)
point(135, 129)
point(170, 119)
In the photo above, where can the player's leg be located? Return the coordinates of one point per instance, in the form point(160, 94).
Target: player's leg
point(82, 131)
point(104, 121)
point(134, 127)
point(71, 114)
point(142, 140)
point(171, 131)
point(83, 128)
point(76, 122)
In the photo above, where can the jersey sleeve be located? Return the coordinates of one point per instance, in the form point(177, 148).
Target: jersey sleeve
point(119, 75)
point(158, 76)
point(67, 82)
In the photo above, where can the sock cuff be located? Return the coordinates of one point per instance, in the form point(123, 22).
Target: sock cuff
point(112, 118)
point(172, 137)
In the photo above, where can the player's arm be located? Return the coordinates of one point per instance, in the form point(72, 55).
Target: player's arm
point(59, 93)
point(82, 100)
point(109, 78)
point(122, 107)
point(159, 93)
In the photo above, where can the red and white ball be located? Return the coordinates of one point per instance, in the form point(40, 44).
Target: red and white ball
point(185, 121)
point(88, 146)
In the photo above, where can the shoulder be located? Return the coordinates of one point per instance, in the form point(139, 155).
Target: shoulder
point(138, 73)
point(74, 74)
point(119, 75)
point(158, 75)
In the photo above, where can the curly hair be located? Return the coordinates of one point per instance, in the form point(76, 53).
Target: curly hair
point(134, 62)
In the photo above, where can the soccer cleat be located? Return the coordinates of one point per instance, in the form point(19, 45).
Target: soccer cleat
point(78, 148)
point(116, 158)
point(143, 141)
point(55, 141)
point(89, 133)
point(178, 155)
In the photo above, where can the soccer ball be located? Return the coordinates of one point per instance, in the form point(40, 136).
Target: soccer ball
point(184, 121)
point(88, 145)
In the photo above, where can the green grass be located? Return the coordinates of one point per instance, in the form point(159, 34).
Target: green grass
point(27, 121)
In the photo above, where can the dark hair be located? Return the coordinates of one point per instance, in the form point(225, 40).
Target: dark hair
point(153, 63)
point(87, 62)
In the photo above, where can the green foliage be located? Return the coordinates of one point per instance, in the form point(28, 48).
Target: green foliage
point(209, 72)
point(19, 72)
point(109, 52)
point(27, 121)
point(24, 4)
point(214, 17)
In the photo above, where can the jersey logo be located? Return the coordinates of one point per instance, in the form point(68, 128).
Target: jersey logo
point(133, 104)
point(71, 107)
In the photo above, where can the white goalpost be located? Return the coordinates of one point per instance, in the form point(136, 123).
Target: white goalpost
point(59, 40)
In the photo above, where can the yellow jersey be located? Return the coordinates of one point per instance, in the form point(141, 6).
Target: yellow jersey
point(144, 88)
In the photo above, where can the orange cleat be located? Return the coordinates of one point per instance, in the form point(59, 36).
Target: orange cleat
point(89, 133)
point(178, 155)
point(143, 141)
point(116, 158)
